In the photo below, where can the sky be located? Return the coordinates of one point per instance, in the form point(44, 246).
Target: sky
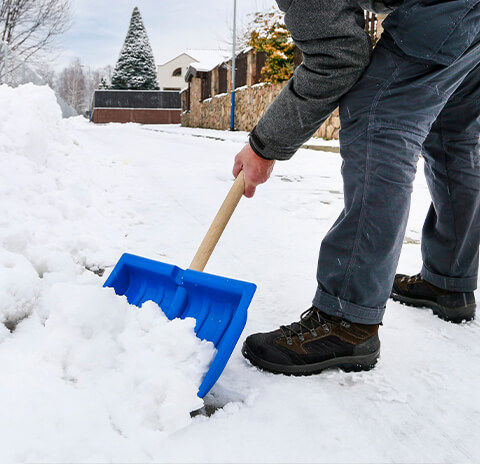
point(100, 26)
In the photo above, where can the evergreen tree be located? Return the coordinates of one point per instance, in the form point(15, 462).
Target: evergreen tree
point(135, 68)
point(268, 34)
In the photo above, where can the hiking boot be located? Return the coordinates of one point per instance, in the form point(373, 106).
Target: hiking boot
point(448, 305)
point(318, 341)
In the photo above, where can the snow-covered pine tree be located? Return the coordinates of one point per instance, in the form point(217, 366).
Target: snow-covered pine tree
point(135, 68)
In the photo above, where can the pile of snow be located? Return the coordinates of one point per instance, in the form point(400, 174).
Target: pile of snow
point(82, 370)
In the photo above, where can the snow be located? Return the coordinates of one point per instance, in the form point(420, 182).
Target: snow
point(220, 95)
point(235, 136)
point(206, 60)
point(279, 54)
point(243, 87)
point(79, 356)
point(268, 21)
point(318, 142)
point(87, 378)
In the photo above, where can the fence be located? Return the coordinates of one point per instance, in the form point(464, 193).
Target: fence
point(141, 106)
point(371, 26)
point(14, 72)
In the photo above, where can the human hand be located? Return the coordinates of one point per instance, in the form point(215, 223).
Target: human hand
point(255, 169)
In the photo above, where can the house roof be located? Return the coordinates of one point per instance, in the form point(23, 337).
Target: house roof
point(209, 60)
point(206, 60)
point(178, 56)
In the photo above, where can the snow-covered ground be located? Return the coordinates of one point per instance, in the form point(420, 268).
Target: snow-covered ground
point(86, 378)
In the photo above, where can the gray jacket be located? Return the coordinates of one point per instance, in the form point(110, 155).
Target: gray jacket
point(336, 50)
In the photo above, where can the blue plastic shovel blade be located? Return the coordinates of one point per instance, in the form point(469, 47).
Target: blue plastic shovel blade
point(218, 304)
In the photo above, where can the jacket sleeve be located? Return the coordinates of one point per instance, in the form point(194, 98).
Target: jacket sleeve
point(336, 49)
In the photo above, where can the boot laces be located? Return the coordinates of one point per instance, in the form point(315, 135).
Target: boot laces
point(412, 280)
point(310, 320)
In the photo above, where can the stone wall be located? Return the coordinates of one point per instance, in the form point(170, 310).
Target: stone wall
point(214, 113)
point(330, 128)
point(251, 103)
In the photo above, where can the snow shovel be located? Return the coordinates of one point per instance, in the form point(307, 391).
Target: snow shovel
point(218, 304)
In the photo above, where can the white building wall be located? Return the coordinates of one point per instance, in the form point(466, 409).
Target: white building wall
point(165, 71)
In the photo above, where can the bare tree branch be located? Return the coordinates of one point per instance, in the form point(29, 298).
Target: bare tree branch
point(72, 86)
point(31, 26)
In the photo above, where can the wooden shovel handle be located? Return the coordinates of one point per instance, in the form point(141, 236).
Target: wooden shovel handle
point(218, 225)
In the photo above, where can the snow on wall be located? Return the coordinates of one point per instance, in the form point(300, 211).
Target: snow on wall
point(82, 370)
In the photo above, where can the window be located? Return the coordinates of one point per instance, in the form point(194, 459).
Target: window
point(177, 72)
point(222, 79)
point(260, 60)
point(206, 85)
point(187, 98)
point(241, 71)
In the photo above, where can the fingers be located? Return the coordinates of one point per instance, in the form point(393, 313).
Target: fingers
point(237, 167)
point(249, 190)
point(256, 169)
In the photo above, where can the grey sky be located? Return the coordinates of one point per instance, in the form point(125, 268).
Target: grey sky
point(100, 27)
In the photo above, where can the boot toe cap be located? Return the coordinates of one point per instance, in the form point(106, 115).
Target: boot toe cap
point(397, 287)
point(262, 346)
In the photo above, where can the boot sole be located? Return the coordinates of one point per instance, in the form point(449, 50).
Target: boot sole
point(456, 315)
point(346, 363)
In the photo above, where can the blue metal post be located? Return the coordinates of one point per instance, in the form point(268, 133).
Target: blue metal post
point(234, 65)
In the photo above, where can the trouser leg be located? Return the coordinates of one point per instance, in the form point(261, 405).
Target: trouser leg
point(451, 233)
point(385, 119)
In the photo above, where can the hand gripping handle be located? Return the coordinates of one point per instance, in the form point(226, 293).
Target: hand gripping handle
point(218, 225)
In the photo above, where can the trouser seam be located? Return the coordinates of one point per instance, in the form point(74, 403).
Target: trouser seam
point(370, 128)
point(449, 190)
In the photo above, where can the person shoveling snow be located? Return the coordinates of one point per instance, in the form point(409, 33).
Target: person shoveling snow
point(419, 94)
